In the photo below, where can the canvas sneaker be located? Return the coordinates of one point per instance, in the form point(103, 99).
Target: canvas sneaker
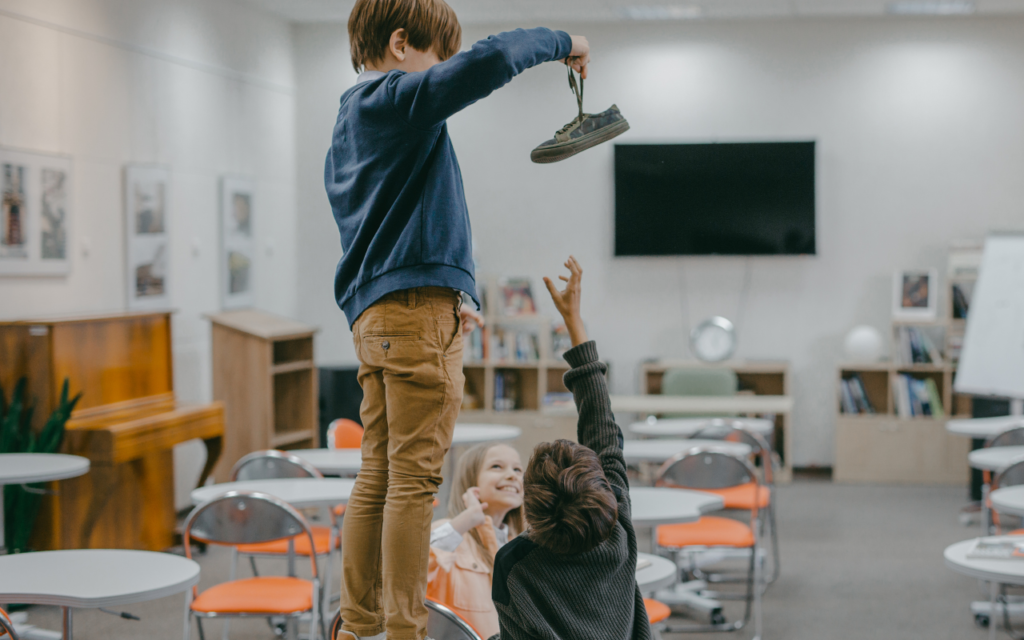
point(584, 131)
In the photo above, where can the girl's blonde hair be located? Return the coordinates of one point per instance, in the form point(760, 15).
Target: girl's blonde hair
point(467, 474)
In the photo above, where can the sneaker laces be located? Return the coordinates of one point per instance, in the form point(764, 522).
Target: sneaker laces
point(577, 88)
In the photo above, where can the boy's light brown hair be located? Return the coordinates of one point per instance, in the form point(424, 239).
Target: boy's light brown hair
point(570, 506)
point(429, 24)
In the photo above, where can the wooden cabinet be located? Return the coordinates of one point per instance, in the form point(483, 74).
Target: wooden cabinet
point(263, 372)
point(126, 423)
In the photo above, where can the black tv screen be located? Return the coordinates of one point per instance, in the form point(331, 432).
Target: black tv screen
point(751, 198)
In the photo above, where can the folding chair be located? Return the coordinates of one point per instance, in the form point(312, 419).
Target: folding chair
point(704, 469)
point(240, 517)
point(741, 497)
point(657, 614)
point(272, 464)
point(1010, 438)
point(7, 631)
point(442, 624)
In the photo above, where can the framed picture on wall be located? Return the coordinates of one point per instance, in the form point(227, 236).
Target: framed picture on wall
point(915, 295)
point(35, 213)
point(147, 230)
point(237, 242)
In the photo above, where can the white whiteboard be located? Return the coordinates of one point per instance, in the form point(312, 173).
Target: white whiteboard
point(992, 360)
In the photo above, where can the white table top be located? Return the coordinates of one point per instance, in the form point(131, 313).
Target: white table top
point(298, 492)
point(983, 427)
point(656, 403)
point(653, 506)
point(18, 468)
point(995, 458)
point(1009, 571)
point(476, 433)
point(686, 427)
point(91, 578)
point(662, 450)
point(335, 462)
point(1008, 500)
point(660, 574)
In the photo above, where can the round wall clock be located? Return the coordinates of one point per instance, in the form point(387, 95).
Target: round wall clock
point(713, 340)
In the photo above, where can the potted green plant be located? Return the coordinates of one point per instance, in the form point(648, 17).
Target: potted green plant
point(21, 502)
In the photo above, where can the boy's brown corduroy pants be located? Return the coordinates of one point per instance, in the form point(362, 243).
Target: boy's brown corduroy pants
point(410, 346)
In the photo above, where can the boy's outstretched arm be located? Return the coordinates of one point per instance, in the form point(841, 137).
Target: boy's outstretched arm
point(427, 98)
point(596, 427)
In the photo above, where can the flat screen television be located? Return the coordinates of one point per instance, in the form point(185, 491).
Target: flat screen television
point(750, 198)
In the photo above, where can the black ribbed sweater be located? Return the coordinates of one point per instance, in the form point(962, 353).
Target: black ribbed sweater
point(541, 595)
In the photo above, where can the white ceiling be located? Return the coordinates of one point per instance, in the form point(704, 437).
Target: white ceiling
point(533, 11)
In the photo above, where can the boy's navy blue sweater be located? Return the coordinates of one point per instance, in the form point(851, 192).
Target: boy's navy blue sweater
point(392, 177)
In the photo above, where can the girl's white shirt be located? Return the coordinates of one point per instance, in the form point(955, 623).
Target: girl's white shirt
point(446, 538)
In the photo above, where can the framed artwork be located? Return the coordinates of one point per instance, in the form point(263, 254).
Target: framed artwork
point(517, 297)
point(35, 213)
point(915, 295)
point(237, 242)
point(148, 238)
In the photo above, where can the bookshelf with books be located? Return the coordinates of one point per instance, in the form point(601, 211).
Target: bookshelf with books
point(891, 423)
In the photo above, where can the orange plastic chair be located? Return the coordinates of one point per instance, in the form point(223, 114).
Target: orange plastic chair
point(657, 613)
point(242, 517)
point(344, 434)
point(1009, 438)
point(7, 627)
point(1011, 476)
point(709, 469)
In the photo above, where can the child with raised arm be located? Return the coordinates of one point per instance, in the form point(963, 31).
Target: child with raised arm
point(396, 193)
point(572, 576)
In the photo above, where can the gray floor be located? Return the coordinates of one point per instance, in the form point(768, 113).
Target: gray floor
point(857, 562)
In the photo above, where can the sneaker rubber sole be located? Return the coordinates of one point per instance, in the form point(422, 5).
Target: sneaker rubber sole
point(562, 150)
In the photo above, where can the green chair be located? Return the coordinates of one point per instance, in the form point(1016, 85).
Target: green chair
point(699, 382)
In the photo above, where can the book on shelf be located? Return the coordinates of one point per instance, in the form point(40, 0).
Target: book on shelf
point(476, 348)
point(516, 296)
point(506, 390)
point(914, 346)
point(559, 400)
point(560, 340)
point(855, 397)
point(914, 397)
point(507, 345)
point(961, 302)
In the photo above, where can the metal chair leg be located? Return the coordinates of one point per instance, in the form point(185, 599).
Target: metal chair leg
point(199, 625)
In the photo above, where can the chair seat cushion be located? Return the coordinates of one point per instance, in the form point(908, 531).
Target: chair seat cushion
point(709, 531)
point(257, 595)
point(742, 496)
point(339, 510)
point(656, 611)
point(321, 538)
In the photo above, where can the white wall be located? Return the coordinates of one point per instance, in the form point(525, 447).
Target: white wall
point(205, 88)
point(920, 143)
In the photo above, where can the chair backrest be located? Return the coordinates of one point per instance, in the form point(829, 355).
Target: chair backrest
point(245, 517)
point(723, 429)
point(344, 434)
point(445, 624)
point(1010, 438)
point(1011, 476)
point(7, 627)
point(699, 382)
point(271, 465)
point(704, 468)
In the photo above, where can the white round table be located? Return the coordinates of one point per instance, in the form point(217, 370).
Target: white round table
point(333, 462)
point(1008, 500)
point(298, 492)
point(995, 572)
point(995, 458)
point(26, 468)
point(93, 578)
point(653, 506)
point(662, 450)
point(983, 428)
point(661, 573)
point(465, 434)
point(686, 427)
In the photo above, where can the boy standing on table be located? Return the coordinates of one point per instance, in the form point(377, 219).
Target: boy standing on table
point(572, 575)
point(396, 191)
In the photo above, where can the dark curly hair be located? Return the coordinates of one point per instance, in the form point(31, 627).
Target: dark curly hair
point(570, 507)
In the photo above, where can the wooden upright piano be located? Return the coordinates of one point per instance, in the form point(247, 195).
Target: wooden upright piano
point(126, 423)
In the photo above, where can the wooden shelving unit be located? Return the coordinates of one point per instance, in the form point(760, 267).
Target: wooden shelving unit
point(755, 377)
point(263, 371)
point(886, 448)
